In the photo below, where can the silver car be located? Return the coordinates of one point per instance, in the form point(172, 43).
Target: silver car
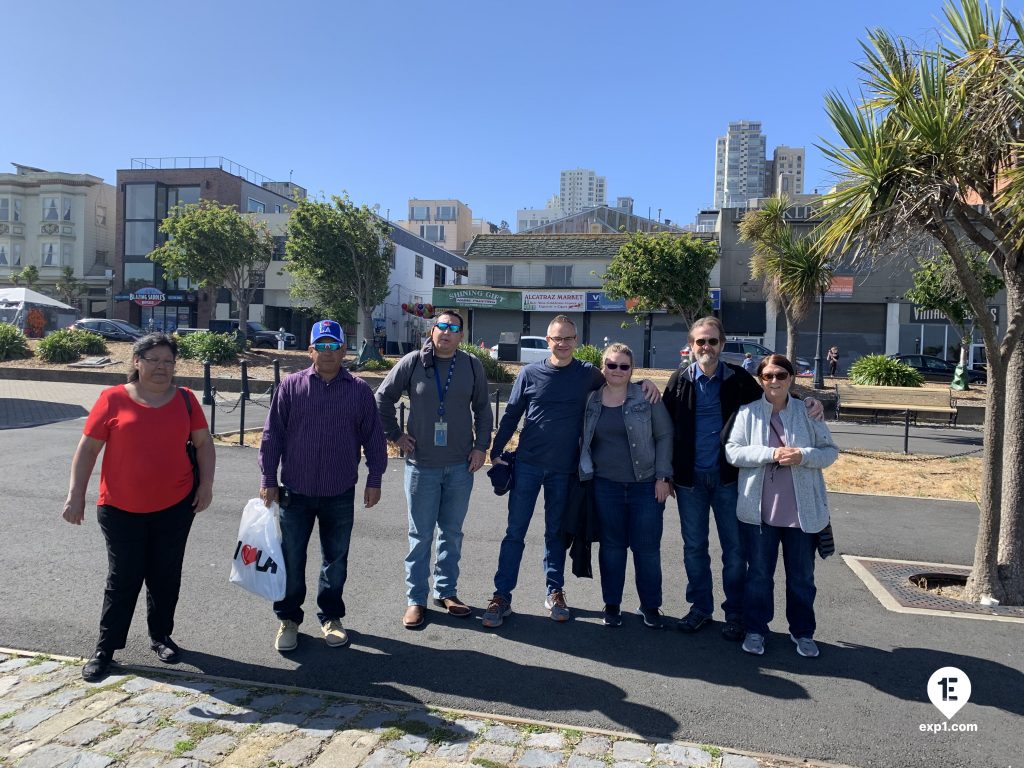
point(735, 351)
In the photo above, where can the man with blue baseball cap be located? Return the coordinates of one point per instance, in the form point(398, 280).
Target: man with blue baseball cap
point(318, 421)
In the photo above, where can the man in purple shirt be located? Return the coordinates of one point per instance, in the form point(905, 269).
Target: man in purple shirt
point(319, 419)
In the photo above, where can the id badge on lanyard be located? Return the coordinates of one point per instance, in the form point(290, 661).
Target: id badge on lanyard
point(441, 426)
point(441, 434)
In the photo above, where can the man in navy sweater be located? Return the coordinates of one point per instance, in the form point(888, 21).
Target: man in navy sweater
point(552, 394)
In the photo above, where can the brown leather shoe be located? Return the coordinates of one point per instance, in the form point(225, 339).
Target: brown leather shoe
point(454, 606)
point(414, 616)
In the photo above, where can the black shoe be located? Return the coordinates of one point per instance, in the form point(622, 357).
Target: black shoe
point(733, 631)
point(612, 616)
point(97, 667)
point(166, 650)
point(651, 616)
point(692, 622)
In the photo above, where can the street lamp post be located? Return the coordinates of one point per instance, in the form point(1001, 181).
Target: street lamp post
point(819, 371)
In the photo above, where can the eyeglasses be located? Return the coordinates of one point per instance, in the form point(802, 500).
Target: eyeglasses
point(453, 327)
point(327, 346)
point(158, 363)
point(618, 366)
point(561, 339)
point(706, 342)
point(780, 376)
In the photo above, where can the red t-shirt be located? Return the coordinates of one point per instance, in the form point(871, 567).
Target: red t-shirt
point(145, 466)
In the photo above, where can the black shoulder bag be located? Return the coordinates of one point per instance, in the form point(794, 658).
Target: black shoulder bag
point(190, 447)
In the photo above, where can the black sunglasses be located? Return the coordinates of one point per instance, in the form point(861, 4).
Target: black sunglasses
point(618, 366)
point(706, 342)
point(453, 327)
point(781, 376)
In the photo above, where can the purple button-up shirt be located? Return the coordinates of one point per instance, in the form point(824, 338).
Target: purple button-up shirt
point(315, 430)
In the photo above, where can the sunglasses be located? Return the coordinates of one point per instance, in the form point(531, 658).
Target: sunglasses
point(453, 327)
point(618, 366)
point(706, 342)
point(781, 376)
point(327, 346)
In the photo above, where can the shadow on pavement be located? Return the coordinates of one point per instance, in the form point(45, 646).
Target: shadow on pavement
point(16, 413)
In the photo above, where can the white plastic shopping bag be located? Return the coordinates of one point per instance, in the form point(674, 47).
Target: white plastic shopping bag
point(258, 562)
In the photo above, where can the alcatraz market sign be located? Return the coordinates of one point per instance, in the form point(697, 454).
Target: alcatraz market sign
point(148, 297)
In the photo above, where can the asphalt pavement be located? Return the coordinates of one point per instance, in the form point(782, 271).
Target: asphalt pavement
point(862, 703)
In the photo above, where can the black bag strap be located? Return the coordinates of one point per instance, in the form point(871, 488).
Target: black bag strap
point(188, 404)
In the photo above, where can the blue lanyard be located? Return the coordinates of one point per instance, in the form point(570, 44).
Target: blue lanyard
point(437, 379)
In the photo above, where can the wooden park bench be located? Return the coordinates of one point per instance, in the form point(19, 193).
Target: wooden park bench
point(908, 401)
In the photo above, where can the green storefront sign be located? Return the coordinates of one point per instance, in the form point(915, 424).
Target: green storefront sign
point(477, 298)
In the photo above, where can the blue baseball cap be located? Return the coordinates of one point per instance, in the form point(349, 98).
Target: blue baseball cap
point(329, 329)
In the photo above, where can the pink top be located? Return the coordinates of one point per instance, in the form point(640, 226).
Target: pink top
point(778, 497)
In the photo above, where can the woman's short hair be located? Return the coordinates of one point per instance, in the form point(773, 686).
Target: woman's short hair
point(780, 360)
point(617, 348)
point(148, 342)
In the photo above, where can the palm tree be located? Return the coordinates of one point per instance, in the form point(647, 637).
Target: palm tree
point(795, 271)
point(934, 147)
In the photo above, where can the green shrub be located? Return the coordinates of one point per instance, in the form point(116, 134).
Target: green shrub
point(588, 353)
point(13, 343)
point(495, 371)
point(59, 347)
point(882, 371)
point(377, 365)
point(90, 343)
point(204, 345)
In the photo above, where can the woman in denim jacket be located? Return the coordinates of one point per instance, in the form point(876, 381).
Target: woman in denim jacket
point(782, 500)
point(627, 450)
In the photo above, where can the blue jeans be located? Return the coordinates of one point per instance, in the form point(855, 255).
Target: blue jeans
point(521, 501)
point(630, 517)
point(437, 497)
point(335, 515)
point(709, 493)
point(761, 546)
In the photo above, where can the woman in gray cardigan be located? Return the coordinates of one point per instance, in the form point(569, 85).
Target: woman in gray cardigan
point(627, 450)
point(780, 452)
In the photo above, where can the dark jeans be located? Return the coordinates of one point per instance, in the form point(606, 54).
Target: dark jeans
point(761, 547)
point(142, 548)
point(695, 504)
point(630, 517)
point(336, 515)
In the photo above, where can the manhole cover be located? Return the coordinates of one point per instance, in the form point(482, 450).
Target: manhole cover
point(892, 579)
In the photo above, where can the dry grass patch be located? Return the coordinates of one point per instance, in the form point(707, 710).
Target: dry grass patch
point(887, 474)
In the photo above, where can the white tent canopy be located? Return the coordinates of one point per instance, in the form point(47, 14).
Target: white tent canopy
point(28, 296)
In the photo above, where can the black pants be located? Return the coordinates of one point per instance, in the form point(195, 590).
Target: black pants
point(141, 548)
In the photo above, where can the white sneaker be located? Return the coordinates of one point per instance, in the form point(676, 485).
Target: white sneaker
point(334, 633)
point(287, 636)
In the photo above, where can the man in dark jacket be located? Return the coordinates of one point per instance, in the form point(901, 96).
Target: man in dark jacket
point(702, 397)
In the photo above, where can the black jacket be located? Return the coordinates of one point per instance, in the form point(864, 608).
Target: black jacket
point(680, 398)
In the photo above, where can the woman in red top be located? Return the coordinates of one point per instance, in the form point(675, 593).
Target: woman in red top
point(148, 496)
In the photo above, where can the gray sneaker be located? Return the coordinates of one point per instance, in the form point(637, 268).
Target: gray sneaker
point(555, 602)
point(805, 646)
point(496, 612)
point(754, 643)
point(287, 636)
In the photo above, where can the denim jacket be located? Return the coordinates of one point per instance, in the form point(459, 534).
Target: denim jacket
point(650, 435)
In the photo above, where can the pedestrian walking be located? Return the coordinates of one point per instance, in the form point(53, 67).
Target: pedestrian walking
point(627, 452)
point(780, 452)
point(320, 420)
point(833, 360)
point(748, 363)
point(150, 492)
point(445, 442)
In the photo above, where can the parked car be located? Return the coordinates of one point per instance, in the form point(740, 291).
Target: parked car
point(937, 369)
point(734, 352)
point(112, 330)
point(532, 349)
point(259, 335)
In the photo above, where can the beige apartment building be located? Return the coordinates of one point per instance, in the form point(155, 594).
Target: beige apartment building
point(448, 224)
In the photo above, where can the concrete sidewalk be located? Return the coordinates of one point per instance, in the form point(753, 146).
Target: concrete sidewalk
point(140, 717)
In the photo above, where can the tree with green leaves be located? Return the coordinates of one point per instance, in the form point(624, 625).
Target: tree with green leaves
point(795, 272)
point(932, 147)
point(29, 275)
point(214, 245)
point(339, 257)
point(69, 288)
point(937, 287)
point(663, 271)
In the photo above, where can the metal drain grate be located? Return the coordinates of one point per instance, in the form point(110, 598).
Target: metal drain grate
point(894, 577)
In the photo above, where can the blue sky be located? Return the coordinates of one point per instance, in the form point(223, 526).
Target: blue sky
point(485, 102)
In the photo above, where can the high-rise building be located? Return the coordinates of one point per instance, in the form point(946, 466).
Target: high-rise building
point(581, 188)
point(786, 172)
point(740, 164)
